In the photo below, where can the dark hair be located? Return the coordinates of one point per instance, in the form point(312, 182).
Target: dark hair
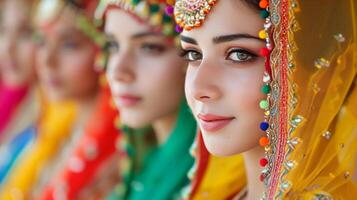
point(253, 3)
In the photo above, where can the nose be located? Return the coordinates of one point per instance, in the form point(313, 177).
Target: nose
point(205, 87)
point(9, 47)
point(48, 56)
point(121, 67)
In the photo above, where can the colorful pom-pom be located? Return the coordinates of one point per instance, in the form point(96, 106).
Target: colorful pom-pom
point(263, 4)
point(263, 162)
point(264, 141)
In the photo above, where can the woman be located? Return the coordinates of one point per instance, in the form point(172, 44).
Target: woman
point(17, 93)
point(17, 60)
point(76, 136)
point(146, 77)
point(238, 112)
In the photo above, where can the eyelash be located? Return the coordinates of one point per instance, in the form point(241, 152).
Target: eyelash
point(185, 53)
point(111, 46)
point(251, 56)
point(152, 48)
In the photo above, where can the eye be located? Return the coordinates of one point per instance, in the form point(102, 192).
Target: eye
point(152, 48)
point(191, 55)
point(70, 44)
point(112, 47)
point(38, 39)
point(26, 33)
point(240, 55)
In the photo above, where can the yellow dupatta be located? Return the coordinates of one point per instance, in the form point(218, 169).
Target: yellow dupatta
point(53, 129)
point(320, 150)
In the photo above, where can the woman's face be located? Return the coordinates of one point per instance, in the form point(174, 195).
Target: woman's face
point(17, 50)
point(66, 60)
point(224, 77)
point(145, 71)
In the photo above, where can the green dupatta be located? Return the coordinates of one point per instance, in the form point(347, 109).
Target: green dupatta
point(158, 172)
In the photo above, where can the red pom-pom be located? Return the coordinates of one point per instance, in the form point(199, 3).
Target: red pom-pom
point(264, 52)
point(263, 162)
point(262, 177)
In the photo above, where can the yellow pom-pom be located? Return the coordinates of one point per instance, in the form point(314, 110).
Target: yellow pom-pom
point(156, 19)
point(262, 34)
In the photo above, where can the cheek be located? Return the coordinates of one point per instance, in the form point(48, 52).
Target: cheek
point(163, 77)
point(161, 84)
point(240, 97)
point(78, 72)
point(246, 93)
point(79, 66)
point(189, 85)
point(27, 53)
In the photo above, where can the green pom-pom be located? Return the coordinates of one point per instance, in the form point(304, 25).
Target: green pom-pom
point(135, 2)
point(266, 89)
point(167, 18)
point(264, 14)
point(154, 8)
point(264, 104)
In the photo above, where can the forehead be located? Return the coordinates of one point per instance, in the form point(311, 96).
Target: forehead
point(123, 22)
point(15, 12)
point(63, 24)
point(228, 17)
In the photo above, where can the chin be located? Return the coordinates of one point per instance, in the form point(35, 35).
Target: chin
point(219, 149)
point(132, 121)
point(57, 97)
point(220, 146)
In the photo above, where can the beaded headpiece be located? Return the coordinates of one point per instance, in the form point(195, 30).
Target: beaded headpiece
point(49, 10)
point(158, 14)
point(192, 13)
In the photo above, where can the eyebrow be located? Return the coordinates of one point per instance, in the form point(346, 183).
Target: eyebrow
point(109, 36)
point(70, 34)
point(223, 38)
point(145, 34)
point(188, 39)
point(232, 37)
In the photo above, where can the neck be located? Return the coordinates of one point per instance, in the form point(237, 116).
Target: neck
point(255, 187)
point(85, 109)
point(163, 127)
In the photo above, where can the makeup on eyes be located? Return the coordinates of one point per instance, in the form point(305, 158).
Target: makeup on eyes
point(111, 46)
point(152, 47)
point(240, 53)
point(189, 54)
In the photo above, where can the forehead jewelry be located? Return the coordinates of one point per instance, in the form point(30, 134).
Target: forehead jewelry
point(191, 13)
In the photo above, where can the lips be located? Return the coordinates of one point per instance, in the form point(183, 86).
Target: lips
point(212, 123)
point(128, 99)
point(8, 65)
point(53, 82)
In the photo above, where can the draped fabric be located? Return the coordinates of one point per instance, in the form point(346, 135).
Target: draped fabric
point(10, 98)
point(54, 127)
point(95, 149)
point(314, 95)
point(156, 171)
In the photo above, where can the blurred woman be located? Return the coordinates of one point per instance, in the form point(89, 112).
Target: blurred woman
point(76, 135)
point(19, 100)
point(146, 76)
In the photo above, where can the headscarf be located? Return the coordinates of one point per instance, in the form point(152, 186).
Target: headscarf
point(310, 120)
point(145, 166)
point(314, 67)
